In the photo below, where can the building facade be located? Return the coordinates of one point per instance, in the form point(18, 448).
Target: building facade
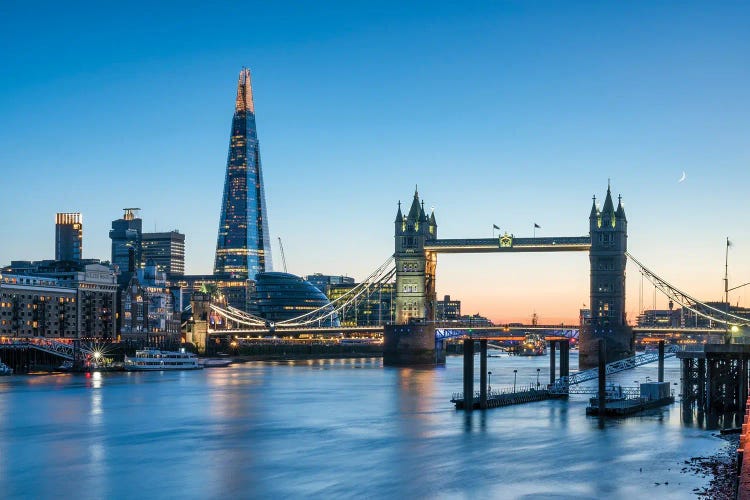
point(447, 309)
point(166, 250)
point(281, 296)
point(69, 236)
point(323, 281)
point(59, 299)
point(243, 246)
point(147, 309)
point(125, 234)
point(375, 308)
point(32, 307)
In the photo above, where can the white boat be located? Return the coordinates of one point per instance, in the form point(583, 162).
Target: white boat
point(156, 360)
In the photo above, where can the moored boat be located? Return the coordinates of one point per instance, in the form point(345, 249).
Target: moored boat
point(214, 362)
point(533, 345)
point(156, 360)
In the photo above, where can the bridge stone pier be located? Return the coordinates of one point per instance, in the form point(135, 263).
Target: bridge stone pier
point(410, 340)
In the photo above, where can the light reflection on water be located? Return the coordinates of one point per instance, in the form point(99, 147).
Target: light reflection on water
point(330, 428)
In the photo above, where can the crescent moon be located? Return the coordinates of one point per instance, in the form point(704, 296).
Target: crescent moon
point(684, 176)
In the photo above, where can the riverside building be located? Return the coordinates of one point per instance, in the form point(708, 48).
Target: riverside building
point(58, 299)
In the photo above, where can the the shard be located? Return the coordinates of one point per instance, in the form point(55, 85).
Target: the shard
point(243, 245)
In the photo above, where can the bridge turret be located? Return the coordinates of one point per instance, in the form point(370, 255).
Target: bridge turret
point(400, 223)
point(411, 340)
point(607, 257)
point(594, 215)
point(620, 212)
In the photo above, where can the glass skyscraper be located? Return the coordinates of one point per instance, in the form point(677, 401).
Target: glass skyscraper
point(243, 246)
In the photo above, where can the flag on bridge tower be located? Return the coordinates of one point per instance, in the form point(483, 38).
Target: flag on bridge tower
point(537, 226)
point(494, 226)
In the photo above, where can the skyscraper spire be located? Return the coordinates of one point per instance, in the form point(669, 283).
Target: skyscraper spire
point(244, 101)
point(243, 247)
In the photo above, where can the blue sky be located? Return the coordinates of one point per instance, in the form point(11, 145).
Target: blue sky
point(504, 113)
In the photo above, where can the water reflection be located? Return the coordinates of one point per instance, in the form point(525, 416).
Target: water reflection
point(328, 429)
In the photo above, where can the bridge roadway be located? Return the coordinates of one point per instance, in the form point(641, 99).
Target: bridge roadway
point(300, 330)
point(501, 329)
point(507, 243)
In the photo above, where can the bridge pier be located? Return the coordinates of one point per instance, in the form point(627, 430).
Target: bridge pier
point(661, 361)
point(411, 345)
point(552, 345)
point(602, 396)
point(564, 358)
point(483, 374)
point(469, 374)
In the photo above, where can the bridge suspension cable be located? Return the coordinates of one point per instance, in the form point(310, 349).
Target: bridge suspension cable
point(687, 301)
point(374, 282)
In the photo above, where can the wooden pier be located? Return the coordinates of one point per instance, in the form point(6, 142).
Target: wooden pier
point(715, 377)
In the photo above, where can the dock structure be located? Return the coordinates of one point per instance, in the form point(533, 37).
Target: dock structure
point(715, 377)
point(483, 399)
point(743, 459)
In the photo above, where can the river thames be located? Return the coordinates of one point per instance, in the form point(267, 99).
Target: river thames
point(331, 429)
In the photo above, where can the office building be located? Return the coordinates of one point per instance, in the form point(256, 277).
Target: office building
point(126, 233)
point(281, 296)
point(375, 308)
point(69, 236)
point(447, 309)
point(166, 250)
point(323, 281)
point(243, 247)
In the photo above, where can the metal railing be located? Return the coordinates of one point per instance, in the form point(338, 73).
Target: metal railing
point(563, 384)
point(61, 349)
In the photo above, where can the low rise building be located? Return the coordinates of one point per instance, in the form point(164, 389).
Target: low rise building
point(146, 309)
point(447, 309)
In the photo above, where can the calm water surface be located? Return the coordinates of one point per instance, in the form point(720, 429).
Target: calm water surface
point(328, 429)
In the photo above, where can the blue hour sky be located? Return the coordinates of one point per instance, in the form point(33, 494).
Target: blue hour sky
point(507, 113)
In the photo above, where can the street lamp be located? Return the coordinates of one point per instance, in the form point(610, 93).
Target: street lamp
point(489, 381)
point(515, 372)
point(537, 378)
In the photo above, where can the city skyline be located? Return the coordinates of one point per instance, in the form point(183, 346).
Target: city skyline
point(492, 136)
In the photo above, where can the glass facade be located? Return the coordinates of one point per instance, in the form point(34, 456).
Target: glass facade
point(167, 250)
point(125, 234)
point(243, 246)
point(282, 296)
point(376, 308)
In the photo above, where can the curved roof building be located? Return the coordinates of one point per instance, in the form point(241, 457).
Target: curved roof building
point(282, 296)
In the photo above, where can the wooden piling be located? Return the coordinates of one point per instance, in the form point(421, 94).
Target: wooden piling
point(468, 374)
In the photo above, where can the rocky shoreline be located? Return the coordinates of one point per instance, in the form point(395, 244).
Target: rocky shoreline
point(720, 469)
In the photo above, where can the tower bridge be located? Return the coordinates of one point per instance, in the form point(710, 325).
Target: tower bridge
point(414, 337)
point(411, 339)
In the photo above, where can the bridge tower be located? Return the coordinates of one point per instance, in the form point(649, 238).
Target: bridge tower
point(608, 229)
point(411, 340)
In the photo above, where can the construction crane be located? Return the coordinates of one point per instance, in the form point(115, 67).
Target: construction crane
point(283, 259)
